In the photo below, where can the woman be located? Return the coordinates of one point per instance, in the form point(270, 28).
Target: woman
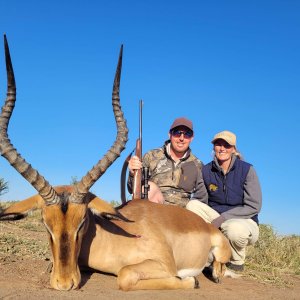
point(234, 197)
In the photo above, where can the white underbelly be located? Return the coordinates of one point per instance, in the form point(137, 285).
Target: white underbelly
point(188, 272)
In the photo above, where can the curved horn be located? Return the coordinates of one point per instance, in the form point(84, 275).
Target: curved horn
point(113, 153)
point(6, 148)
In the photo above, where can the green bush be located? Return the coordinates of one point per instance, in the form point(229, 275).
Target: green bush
point(3, 186)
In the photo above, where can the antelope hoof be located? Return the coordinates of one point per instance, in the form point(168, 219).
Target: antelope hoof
point(197, 284)
point(216, 280)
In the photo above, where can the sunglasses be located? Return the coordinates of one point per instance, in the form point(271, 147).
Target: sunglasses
point(225, 145)
point(177, 133)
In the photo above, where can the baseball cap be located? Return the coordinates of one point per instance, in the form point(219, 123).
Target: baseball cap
point(227, 136)
point(182, 122)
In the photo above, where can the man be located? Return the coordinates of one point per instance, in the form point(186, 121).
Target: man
point(175, 174)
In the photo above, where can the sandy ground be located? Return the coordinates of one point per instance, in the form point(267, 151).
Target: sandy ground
point(29, 279)
point(24, 275)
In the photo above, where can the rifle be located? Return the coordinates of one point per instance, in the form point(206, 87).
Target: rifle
point(137, 177)
point(140, 177)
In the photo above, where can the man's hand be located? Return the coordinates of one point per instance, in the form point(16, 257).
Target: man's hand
point(134, 164)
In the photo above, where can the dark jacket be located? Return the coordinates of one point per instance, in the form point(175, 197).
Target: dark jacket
point(236, 194)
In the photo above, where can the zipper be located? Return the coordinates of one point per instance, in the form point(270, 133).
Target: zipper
point(225, 189)
point(173, 168)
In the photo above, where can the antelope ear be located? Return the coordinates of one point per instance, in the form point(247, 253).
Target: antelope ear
point(21, 209)
point(103, 209)
point(116, 216)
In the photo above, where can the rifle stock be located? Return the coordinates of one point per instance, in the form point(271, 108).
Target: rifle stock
point(137, 178)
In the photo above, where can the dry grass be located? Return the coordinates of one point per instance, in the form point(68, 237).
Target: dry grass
point(24, 238)
point(11, 244)
point(274, 258)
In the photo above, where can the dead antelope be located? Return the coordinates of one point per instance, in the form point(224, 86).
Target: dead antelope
point(147, 245)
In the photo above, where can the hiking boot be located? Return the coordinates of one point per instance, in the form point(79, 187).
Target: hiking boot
point(233, 267)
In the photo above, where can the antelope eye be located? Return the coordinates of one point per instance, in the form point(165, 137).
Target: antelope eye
point(82, 223)
point(48, 231)
point(46, 226)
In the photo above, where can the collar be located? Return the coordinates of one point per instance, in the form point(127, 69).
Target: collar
point(167, 152)
point(216, 165)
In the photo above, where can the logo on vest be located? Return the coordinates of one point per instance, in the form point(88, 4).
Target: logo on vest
point(212, 187)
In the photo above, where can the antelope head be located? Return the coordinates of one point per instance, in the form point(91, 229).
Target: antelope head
point(65, 210)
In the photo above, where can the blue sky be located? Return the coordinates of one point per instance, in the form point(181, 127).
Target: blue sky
point(226, 65)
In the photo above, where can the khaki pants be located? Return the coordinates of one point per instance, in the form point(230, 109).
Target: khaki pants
point(240, 232)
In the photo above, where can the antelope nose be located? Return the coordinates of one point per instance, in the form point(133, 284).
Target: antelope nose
point(65, 286)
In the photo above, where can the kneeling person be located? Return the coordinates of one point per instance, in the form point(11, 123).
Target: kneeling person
point(234, 197)
point(174, 172)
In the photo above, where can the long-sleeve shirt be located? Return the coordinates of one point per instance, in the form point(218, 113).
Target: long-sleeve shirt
point(234, 194)
point(178, 181)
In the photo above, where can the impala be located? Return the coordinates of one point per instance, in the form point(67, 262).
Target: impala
point(147, 245)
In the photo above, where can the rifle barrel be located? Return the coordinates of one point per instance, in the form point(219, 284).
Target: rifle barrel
point(141, 123)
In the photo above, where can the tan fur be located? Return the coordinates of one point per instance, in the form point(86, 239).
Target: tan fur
point(146, 253)
point(221, 249)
